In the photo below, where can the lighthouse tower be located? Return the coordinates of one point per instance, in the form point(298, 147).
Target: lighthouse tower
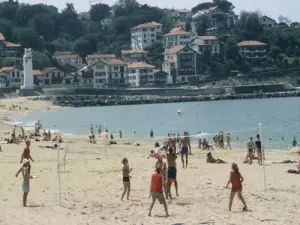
point(27, 65)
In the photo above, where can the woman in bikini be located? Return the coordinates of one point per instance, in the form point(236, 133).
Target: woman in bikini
point(126, 178)
point(236, 179)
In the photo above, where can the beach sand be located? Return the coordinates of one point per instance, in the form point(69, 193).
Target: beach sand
point(91, 185)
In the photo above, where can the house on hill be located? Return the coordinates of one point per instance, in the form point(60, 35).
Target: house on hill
point(140, 74)
point(144, 35)
point(203, 43)
point(12, 76)
point(182, 64)
point(251, 50)
point(9, 50)
point(179, 14)
point(268, 22)
point(91, 59)
point(54, 77)
point(70, 58)
point(134, 55)
point(177, 36)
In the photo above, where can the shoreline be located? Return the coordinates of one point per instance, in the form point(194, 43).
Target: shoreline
point(114, 100)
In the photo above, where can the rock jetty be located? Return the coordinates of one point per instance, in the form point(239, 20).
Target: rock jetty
point(102, 100)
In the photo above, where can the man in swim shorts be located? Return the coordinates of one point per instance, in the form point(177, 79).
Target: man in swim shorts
point(185, 146)
point(171, 173)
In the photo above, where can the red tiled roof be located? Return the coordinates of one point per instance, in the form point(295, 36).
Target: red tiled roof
point(175, 32)
point(251, 43)
point(134, 51)
point(2, 38)
point(181, 10)
point(208, 38)
point(10, 44)
point(73, 56)
point(115, 62)
point(147, 25)
point(140, 65)
point(101, 56)
point(49, 69)
point(36, 72)
point(174, 49)
point(7, 69)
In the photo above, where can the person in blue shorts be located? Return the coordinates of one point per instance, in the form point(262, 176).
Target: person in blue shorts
point(185, 147)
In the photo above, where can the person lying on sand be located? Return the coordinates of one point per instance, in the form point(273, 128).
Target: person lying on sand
point(211, 159)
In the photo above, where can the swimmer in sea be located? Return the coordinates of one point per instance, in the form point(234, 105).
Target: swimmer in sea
point(126, 178)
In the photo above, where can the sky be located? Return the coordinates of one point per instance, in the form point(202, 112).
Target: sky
point(271, 8)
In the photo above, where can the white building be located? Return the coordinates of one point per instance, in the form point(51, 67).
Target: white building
point(182, 64)
point(144, 35)
point(203, 43)
point(140, 74)
point(110, 72)
point(177, 37)
point(12, 76)
point(68, 58)
point(268, 22)
point(180, 14)
point(251, 50)
point(54, 77)
point(91, 59)
point(134, 55)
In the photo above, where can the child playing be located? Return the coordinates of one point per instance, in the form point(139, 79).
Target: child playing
point(26, 178)
point(236, 179)
point(126, 178)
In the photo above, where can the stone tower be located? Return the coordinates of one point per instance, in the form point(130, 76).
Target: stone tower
point(27, 65)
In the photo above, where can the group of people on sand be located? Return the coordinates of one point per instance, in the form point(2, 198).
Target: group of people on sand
point(252, 148)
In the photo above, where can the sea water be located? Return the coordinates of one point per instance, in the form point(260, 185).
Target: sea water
point(279, 118)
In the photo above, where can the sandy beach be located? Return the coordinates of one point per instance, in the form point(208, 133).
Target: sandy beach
point(91, 184)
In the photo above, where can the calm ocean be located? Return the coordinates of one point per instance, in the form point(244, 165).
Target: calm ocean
point(279, 117)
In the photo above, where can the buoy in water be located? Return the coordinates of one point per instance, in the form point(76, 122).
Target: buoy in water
point(179, 112)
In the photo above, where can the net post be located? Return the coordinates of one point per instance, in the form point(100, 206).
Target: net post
point(263, 153)
point(58, 173)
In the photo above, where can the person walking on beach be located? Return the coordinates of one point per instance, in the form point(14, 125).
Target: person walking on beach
point(26, 155)
point(171, 173)
point(26, 178)
point(259, 149)
point(236, 179)
point(156, 191)
point(121, 134)
point(228, 140)
point(184, 147)
point(126, 178)
point(151, 133)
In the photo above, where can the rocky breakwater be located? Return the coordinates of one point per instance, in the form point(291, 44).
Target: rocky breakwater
point(96, 100)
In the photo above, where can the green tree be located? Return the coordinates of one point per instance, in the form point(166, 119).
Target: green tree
point(6, 27)
point(28, 38)
point(274, 52)
point(40, 60)
point(156, 55)
point(99, 11)
point(8, 9)
point(69, 22)
point(43, 25)
point(8, 62)
point(188, 26)
point(82, 47)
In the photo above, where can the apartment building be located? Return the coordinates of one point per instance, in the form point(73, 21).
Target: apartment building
point(9, 50)
point(144, 35)
point(12, 76)
point(134, 55)
point(177, 36)
point(203, 43)
point(109, 73)
point(140, 74)
point(251, 50)
point(181, 63)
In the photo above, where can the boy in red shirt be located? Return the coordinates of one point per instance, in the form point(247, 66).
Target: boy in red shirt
point(156, 191)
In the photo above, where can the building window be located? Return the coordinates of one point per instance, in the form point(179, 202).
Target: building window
point(58, 74)
point(152, 29)
point(145, 41)
point(13, 74)
point(116, 68)
point(18, 74)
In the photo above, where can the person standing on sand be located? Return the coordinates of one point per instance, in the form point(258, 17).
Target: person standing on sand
point(156, 191)
point(126, 178)
point(236, 179)
point(228, 140)
point(121, 134)
point(162, 165)
point(184, 147)
point(26, 178)
point(250, 147)
point(171, 173)
point(26, 155)
point(294, 142)
point(151, 133)
point(259, 149)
